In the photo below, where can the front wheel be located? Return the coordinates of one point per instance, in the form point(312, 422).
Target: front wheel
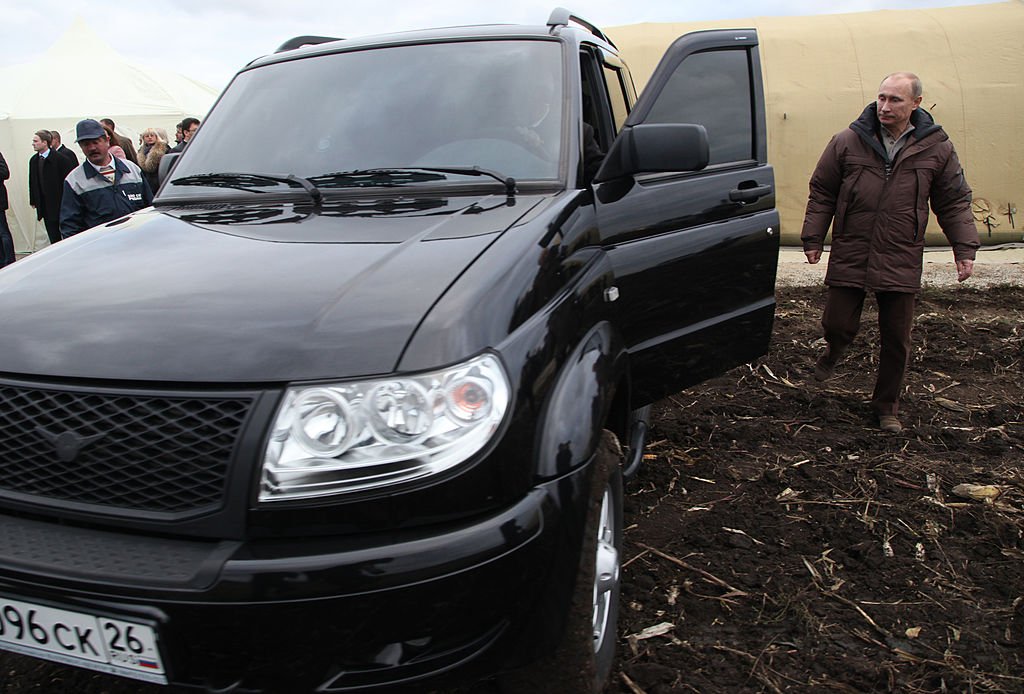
point(582, 663)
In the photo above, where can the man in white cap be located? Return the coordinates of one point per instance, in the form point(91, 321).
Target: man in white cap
point(103, 187)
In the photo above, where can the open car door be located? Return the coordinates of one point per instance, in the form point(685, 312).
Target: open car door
point(685, 204)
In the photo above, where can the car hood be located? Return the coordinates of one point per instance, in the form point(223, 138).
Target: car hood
point(242, 293)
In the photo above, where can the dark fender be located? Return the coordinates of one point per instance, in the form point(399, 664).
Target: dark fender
point(578, 406)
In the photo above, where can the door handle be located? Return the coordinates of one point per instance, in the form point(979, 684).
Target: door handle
point(744, 195)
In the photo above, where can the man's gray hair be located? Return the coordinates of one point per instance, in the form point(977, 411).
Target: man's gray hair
point(916, 88)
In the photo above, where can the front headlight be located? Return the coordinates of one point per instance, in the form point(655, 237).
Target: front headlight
point(349, 437)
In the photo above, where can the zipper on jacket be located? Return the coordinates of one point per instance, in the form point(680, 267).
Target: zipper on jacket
point(917, 210)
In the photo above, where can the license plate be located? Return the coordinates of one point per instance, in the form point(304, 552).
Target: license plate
point(108, 645)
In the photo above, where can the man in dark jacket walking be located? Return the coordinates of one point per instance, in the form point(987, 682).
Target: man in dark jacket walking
point(46, 173)
point(873, 184)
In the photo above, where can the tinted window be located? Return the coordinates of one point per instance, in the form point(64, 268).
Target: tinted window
point(493, 104)
point(713, 89)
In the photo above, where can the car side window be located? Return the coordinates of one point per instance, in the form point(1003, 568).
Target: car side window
point(594, 112)
point(616, 87)
point(713, 88)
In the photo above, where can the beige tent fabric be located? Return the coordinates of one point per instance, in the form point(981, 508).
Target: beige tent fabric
point(81, 76)
point(821, 71)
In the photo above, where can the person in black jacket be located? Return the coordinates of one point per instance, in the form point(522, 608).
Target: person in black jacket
point(188, 129)
point(62, 150)
point(6, 240)
point(46, 173)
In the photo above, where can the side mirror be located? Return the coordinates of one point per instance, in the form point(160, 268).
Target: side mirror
point(166, 165)
point(656, 148)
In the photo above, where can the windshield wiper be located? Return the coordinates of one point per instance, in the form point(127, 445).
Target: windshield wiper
point(409, 174)
point(507, 181)
point(249, 181)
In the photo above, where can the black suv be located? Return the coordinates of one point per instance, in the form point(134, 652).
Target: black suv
point(342, 410)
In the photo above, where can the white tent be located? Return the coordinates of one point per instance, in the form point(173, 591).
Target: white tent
point(81, 76)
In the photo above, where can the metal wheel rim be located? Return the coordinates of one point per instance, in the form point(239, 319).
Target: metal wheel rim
point(606, 575)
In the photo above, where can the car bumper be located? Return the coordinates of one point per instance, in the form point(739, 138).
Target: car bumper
point(338, 614)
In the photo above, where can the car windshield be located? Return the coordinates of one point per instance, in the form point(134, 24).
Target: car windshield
point(494, 105)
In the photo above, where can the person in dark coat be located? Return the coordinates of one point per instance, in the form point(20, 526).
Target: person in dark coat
point(873, 184)
point(121, 141)
point(6, 239)
point(46, 173)
point(60, 149)
point(188, 129)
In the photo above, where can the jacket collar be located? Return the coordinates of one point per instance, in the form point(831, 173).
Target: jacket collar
point(869, 129)
point(119, 168)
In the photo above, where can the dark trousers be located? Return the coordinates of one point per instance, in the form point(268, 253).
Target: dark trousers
point(841, 321)
point(6, 241)
point(52, 230)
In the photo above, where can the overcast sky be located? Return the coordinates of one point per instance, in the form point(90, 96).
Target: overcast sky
point(209, 40)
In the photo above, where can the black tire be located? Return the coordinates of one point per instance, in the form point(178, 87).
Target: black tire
point(582, 663)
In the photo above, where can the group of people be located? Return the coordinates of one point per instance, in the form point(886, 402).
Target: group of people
point(871, 189)
point(115, 178)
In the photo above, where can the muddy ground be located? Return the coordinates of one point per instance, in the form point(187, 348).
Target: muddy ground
point(777, 542)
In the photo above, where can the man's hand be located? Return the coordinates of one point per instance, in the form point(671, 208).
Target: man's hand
point(964, 269)
point(814, 256)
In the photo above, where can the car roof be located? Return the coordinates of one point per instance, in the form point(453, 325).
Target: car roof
point(569, 33)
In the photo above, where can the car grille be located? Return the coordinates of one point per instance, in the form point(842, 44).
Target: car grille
point(133, 451)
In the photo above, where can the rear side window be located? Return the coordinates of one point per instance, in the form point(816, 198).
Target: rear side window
point(616, 94)
point(713, 89)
